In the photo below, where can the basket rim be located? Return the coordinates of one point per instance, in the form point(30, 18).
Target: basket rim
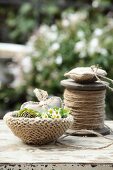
point(36, 119)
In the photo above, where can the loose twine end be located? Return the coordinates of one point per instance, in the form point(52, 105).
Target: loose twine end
point(106, 79)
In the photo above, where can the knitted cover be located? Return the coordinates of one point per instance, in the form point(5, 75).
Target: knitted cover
point(37, 131)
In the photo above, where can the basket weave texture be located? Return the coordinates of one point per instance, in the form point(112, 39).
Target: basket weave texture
point(37, 131)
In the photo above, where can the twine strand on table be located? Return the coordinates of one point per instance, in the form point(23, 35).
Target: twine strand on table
point(58, 142)
point(92, 132)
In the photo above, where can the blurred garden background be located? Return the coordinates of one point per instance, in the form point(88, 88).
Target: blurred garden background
point(53, 37)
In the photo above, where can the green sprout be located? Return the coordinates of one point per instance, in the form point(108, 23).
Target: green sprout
point(28, 113)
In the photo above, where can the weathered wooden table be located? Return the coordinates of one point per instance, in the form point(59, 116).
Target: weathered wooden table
point(15, 155)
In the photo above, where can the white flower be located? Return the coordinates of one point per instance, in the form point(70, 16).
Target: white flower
point(48, 33)
point(98, 32)
point(82, 54)
point(103, 51)
point(94, 42)
point(79, 46)
point(52, 36)
point(96, 3)
point(55, 46)
point(58, 60)
point(39, 67)
point(65, 23)
point(94, 46)
point(54, 28)
point(73, 18)
point(77, 17)
point(62, 37)
point(26, 64)
point(80, 34)
point(16, 71)
point(43, 29)
point(56, 116)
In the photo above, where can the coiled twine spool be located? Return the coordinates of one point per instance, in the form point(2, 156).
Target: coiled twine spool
point(87, 105)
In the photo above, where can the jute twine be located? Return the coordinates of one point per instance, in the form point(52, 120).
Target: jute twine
point(87, 108)
point(58, 142)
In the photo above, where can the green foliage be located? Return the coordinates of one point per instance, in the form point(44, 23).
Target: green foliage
point(51, 113)
point(11, 99)
point(22, 24)
point(27, 113)
point(20, 20)
point(63, 112)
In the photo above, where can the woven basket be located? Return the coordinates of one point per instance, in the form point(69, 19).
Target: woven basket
point(37, 131)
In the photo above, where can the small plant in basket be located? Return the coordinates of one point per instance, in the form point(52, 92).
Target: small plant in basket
point(40, 122)
point(46, 108)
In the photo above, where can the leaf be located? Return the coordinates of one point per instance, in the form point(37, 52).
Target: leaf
point(41, 94)
point(64, 112)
